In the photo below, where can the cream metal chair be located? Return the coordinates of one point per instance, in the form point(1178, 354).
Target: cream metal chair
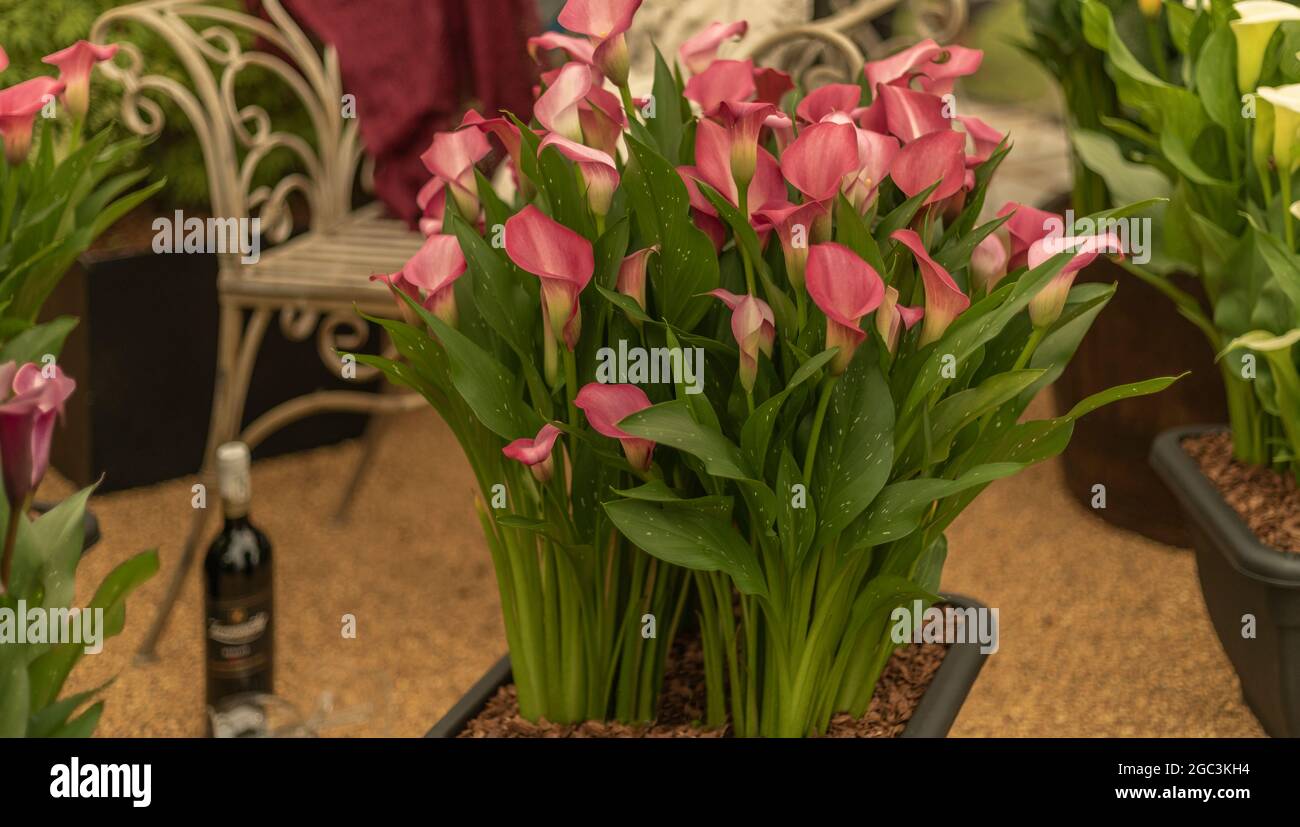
point(311, 282)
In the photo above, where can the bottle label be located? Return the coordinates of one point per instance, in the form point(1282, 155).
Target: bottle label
point(239, 636)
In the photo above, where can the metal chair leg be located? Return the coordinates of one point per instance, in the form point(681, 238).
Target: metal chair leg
point(237, 348)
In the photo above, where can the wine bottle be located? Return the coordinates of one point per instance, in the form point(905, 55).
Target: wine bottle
point(238, 600)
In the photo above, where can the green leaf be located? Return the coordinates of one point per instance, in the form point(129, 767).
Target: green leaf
point(685, 537)
point(901, 506)
point(35, 342)
point(666, 125)
point(671, 423)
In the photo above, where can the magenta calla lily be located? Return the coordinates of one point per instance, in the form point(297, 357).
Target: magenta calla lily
point(19, 105)
point(577, 48)
point(825, 100)
point(452, 157)
point(893, 318)
point(819, 159)
point(940, 73)
point(605, 22)
point(754, 328)
point(608, 405)
point(31, 398)
point(988, 262)
point(561, 258)
point(1027, 225)
point(910, 114)
point(598, 171)
point(901, 66)
point(503, 128)
point(631, 275)
point(846, 288)
point(701, 49)
point(938, 157)
point(536, 452)
point(713, 166)
point(75, 64)
point(794, 224)
point(1045, 308)
point(434, 269)
point(984, 139)
point(876, 154)
point(724, 80)
point(744, 120)
point(944, 300)
point(557, 108)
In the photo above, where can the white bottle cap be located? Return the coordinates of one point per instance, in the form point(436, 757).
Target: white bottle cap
point(233, 473)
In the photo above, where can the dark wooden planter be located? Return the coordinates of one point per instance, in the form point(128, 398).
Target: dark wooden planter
point(1137, 336)
point(933, 717)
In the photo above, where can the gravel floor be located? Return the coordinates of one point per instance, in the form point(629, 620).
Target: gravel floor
point(1102, 632)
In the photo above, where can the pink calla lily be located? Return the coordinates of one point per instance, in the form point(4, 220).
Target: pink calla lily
point(944, 300)
point(771, 84)
point(606, 406)
point(505, 131)
point(75, 64)
point(19, 105)
point(452, 157)
point(1026, 226)
point(713, 153)
point(561, 258)
point(819, 159)
point(701, 49)
point(988, 262)
point(754, 328)
point(31, 397)
point(825, 100)
point(577, 48)
point(434, 269)
point(938, 157)
point(794, 227)
point(724, 80)
point(893, 318)
point(846, 288)
point(536, 452)
point(876, 153)
point(984, 138)
point(603, 120)
point(432, 201)
point(606, 23)
point(557, 108)
point(901, 66)
point(1045, 308)
point(631, 275)
point(909, 114)
point(938, 76)
point(743, 120)
point(4, 59)
point(598, 171)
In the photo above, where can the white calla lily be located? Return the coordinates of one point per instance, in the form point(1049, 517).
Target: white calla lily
point(1253, 29)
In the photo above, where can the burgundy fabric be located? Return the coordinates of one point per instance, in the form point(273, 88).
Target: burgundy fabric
point(415, 66)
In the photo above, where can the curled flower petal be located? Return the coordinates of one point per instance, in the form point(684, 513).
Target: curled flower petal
point(606, 406)
point(910, 114)
point(944, 300)
point(771, 84)
point(938, 157)
point(631, 274)
point(1026, 226)
point(794, 227)
point(1045, 308)
point(901, 66)
point(939, 74)
point(984, 138)
point(536, 452)
point(724, 80)
point(846, 288)
point(577, 48)
point(75, 64)
point(833, 97)
point(452, 156)
point(557, 108)
point(892, 318)
point(19, 105)
point(701, 49)
point(754, 328)
point(988, 262)
point(819, 158)
point(34, 397)
point(598, 170)
point(561, 258)
point(600, 19)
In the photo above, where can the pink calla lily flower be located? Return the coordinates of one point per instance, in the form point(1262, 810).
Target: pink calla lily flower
point(984, 138)
point(744, 120)
point(939, 74)
point(828, 99)
point(1045, 308)
point(988, 261)
point(794, 225)
point(557, 107)
point(846, 288)
point(901, 66)
point(701, 49)
point(505, 131)
point(4, 59)
point(606, 406)
point(561, 258)
point(577, 48)
point(876, 153)
point(724, 80)
point(603, 120)
point(713, 153)
point(434, 269)
point(909, 114)
point(19, 105)
point(606, 23)
point(75, 64)
point(452, 157)
point(536, 452)
point(1026, 226)
point(432, 201)
point(944, 300)
point(631, 275)
point(30, 400)
point(893, 318)
point(819, 159)
point(771, 84)
point(936, 157)
point(598, 171)
point(754, 328)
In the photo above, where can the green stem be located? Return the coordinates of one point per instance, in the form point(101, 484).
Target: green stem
point(1031, 345)
point(827, 386)
point(10, 202)
point(16, 511)
point(749, 266)
point(1157, 44)
point(628, 105)
point(1284, 180)
point(571, 385)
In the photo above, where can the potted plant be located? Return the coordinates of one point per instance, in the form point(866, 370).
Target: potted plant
point(1226, 141)
point(731, 358)
point(1111, 448)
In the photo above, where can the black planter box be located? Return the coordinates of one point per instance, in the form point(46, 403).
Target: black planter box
point(144, 357)
point(1240, 575)
point(933, 717)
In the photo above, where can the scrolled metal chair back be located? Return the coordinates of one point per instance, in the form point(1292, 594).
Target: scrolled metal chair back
point(236, 138)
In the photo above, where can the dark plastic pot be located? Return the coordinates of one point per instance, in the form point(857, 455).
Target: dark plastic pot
point(1240, 576)
point(933, 717)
